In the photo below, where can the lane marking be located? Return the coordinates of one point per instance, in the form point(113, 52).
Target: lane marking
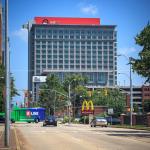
point(17, 141)
point(1, 134)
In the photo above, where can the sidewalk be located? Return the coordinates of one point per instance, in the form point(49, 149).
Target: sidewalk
point(14, 144)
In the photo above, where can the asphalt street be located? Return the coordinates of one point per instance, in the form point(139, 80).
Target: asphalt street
point(80, 137)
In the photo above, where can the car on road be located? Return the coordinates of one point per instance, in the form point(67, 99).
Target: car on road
point(113, 121)
point(50, 120)
point(98, 121)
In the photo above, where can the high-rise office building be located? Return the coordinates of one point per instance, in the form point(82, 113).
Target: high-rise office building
point(73, 45)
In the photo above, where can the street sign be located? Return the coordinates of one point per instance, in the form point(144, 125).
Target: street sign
point(110, 111)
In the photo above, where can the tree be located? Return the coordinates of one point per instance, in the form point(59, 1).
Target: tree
point(13, 91)
point(2, 86)
point(74, 81)
point(78, 89)
point(52, 94)
point(146, 106)
point(114, 99)
point(142, 64)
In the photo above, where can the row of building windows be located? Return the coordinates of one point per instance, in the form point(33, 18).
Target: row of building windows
point(49, 42)
point(72, 53)
point(75, 61)
point(55, 66)
point(73, 37)
point(72, 47)
point(77, 56)
point(72, 32)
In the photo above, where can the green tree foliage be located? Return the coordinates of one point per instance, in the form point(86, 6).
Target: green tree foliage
point(142, 64)
point(2, 88)
point(77, 89)
point(52, 94)
point(114, 99)
point(74, 81)
point(136, 108)
point(146, 106)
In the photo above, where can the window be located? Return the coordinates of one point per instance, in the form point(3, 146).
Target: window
point(43, 56)
point(72, 66)
point(61, 66)
point(66, 61)
point(54, 61)
point(43, 61)
point(55, 66)
point(66, 66)
point(49, 66)
point(37, 61)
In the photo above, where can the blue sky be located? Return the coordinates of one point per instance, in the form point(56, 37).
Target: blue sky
point(130, 16)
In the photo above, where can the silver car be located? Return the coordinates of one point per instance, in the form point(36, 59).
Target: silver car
point(98, 121)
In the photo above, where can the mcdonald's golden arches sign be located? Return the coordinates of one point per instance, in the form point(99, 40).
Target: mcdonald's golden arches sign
point(87, 107)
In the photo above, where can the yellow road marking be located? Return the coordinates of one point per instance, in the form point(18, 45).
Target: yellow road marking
point(1, 134)
point(17, 141)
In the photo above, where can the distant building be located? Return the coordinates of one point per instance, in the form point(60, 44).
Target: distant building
point(65, 46)
point(140, 95)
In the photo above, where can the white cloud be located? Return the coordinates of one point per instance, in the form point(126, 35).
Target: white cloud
point(127, 50)
point(89, 9)
point(22, 34)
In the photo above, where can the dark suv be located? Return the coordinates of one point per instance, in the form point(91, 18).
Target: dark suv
point(2, 119)
point(50, 120)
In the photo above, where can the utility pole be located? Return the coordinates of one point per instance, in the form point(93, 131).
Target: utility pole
point(69, 103)
point(131, 88)
point(7, 63)
point(54, 101)
point(131, 99)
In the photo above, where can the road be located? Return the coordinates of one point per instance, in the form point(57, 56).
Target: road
point(80, 137)
point(1, 130)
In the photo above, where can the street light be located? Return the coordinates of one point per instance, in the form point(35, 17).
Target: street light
point(130, 77)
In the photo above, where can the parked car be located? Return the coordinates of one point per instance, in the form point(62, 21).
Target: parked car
point(2, 119)
point(50, 120)
point(113, 121)
point(98, 121)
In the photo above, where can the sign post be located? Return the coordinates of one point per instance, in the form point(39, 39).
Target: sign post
point(110, 112)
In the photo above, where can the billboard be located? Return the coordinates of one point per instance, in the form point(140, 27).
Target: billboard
point(39, 79)
point(67, 21)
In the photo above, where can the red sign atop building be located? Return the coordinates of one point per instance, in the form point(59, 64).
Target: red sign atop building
point(67, 21)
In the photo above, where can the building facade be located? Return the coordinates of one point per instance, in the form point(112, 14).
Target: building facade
point(141, 94)
point(65, 46)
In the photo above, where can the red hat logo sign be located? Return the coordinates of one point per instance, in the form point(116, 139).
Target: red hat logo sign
point(28, 113)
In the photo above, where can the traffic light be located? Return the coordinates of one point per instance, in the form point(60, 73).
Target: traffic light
point(105, 92)
point(90, 93)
